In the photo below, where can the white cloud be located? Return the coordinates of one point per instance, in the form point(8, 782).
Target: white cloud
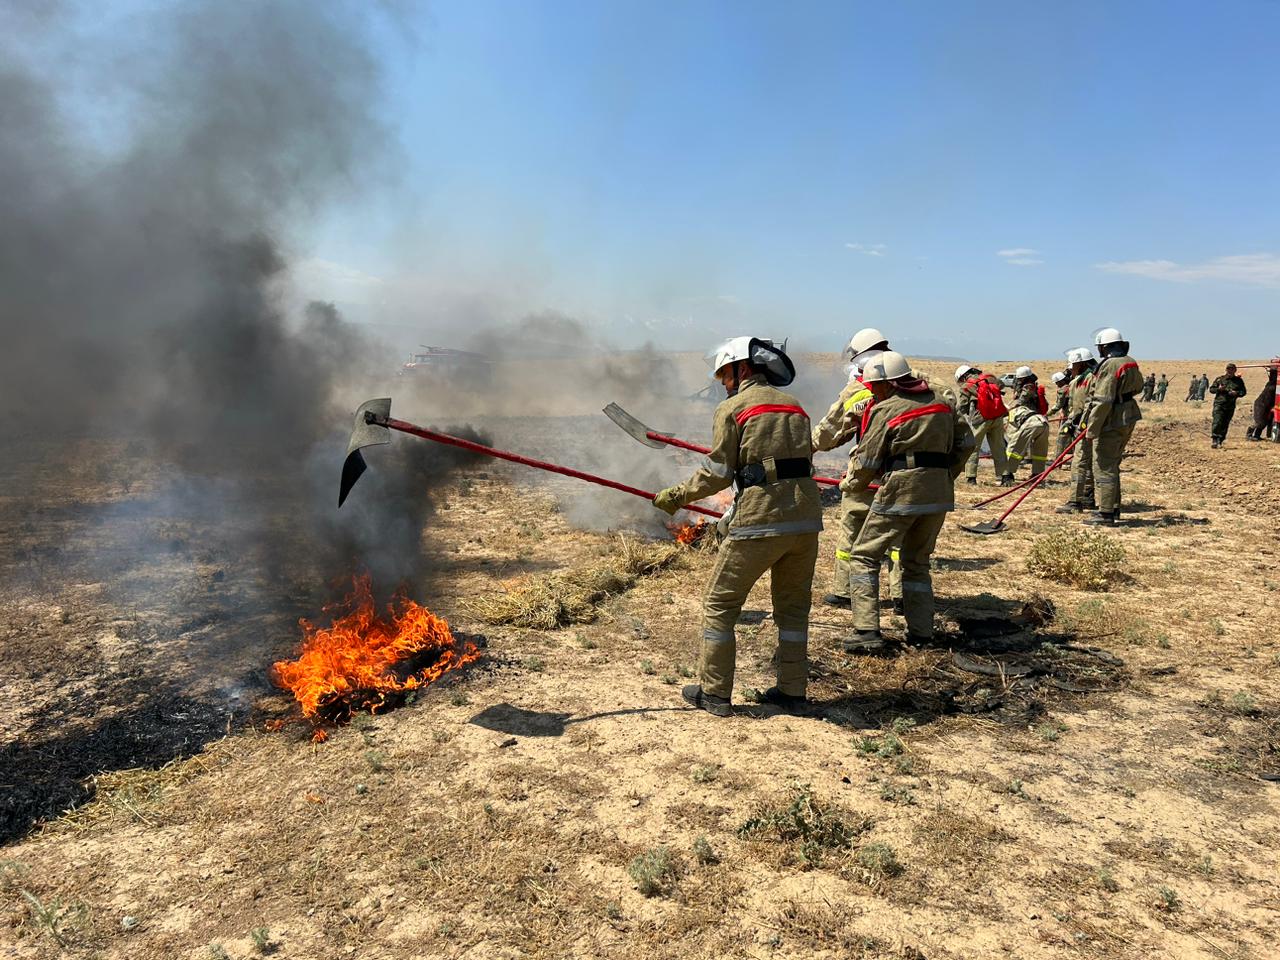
point(868, 249)
point(1255, 269)
point(1019, 252)
point(1023, 261)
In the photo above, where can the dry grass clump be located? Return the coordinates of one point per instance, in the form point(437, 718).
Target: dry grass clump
point(1086, 561)
point(549, 601)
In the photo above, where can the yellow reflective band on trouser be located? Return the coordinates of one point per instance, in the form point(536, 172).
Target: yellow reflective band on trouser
point(1013, 456)
point(1039, 459)
point(843, 555)
point(856, 399)
point(893, 555)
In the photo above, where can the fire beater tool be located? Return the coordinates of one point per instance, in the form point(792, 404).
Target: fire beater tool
point(987, 527)
point(374, 424)
point(652, 438)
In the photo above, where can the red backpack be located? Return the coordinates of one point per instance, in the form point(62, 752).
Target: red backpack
point(989, 400)
point(1042, 402)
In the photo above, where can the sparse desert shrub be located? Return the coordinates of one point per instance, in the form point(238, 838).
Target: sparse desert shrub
point(654, 871)
point(1086, 561)
point(703, 853)
point(806, 822)
point(878, 862)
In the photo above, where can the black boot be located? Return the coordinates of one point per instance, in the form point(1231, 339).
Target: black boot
point(716, 706)
point(869, 643)
point(971, 481)
point(1070, 507)
point(788, 701)
point(1102, 518)
point(1006, 480)
point(835, 600)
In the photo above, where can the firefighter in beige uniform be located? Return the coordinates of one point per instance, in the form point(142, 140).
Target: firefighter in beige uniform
point(916, 444)
point(1030, 437)
point(1110, 417)
point(969, 378)
point(1082, 492)
point(761, 441)
point(842, 424)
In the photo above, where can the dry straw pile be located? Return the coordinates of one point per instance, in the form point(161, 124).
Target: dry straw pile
point(549, 601)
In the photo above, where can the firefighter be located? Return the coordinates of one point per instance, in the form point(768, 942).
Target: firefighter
point(761, 442)
point(1061, 407)
point(915, 445)
point(1082, 494)
point(1264, 409)
point(1109, 419)
point(1226, 390)
point(1030, 437)
point(986, 424)
point(842, 424)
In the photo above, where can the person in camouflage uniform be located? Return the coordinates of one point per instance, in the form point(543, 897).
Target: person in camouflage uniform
point(915, 444)
point(1082, 493)
point(761, 441)
point(1162, 387)
point(1030, 437)
point(1226, 390)
point(1202, 387)
point(842, 424)
point(992, 431)
point(1109, 419)
point(1149, 387)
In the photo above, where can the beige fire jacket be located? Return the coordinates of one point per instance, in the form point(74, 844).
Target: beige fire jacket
point(900, 427)
point(759, 424)
point(1112, 404)
point(842, 421)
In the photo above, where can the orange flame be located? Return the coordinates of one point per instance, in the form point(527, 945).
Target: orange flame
point(688, 533)
point(363, 658)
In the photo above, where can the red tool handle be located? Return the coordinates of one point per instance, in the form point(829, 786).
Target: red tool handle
point(1049, 469)
point(686, 445)
point(425, 434)
point(1036, 481)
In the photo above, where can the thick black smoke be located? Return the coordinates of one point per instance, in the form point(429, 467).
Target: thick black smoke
point(144, 284)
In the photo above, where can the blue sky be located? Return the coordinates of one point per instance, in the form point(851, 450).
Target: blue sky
point(972, 178)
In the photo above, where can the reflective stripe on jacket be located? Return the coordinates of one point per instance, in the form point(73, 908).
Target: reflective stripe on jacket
point(1115, 379)
point(757, 424)
point(912, 423)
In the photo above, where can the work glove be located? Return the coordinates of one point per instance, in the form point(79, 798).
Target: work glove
point(668, 500)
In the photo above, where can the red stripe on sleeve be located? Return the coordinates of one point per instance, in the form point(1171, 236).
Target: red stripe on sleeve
point(763, 408)
point(919, 412)
point(1125, 368)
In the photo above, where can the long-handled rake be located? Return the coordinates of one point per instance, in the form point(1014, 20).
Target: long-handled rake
point(987, 527)
point(652, 438)
point(374, 424)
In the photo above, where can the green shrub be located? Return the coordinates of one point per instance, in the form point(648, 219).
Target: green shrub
point(1080, 559)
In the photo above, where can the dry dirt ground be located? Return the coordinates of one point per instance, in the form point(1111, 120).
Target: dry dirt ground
point(917, 810)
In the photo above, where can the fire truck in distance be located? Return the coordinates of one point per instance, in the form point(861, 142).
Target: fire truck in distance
point(442, 362)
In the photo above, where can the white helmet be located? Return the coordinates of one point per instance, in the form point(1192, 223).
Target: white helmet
point(765, 356)
point(1080, 355)
point(964, 370)
point(1059, 377)
point(888, 365)
point(864, 341)
point(1107, 336)
point(1024, 373)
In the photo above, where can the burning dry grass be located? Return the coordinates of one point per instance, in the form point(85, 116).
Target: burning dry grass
point(550, 601)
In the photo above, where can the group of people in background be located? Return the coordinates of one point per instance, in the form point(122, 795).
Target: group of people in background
point(1154, 390)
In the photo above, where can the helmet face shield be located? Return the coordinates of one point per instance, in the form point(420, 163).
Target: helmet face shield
point(768, 358)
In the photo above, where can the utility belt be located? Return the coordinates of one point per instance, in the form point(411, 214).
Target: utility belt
point(1126, 397)
point(771, 471)
point(919, 460)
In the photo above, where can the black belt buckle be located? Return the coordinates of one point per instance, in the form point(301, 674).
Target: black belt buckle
point(752, 475)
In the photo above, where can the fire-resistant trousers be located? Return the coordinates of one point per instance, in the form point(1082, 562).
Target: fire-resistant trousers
point(1108, 450)
point(854, 508)
point(789, 560)
point(917, 535)
point(1082, 473)
point(993, 432)
point(1030, 441)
